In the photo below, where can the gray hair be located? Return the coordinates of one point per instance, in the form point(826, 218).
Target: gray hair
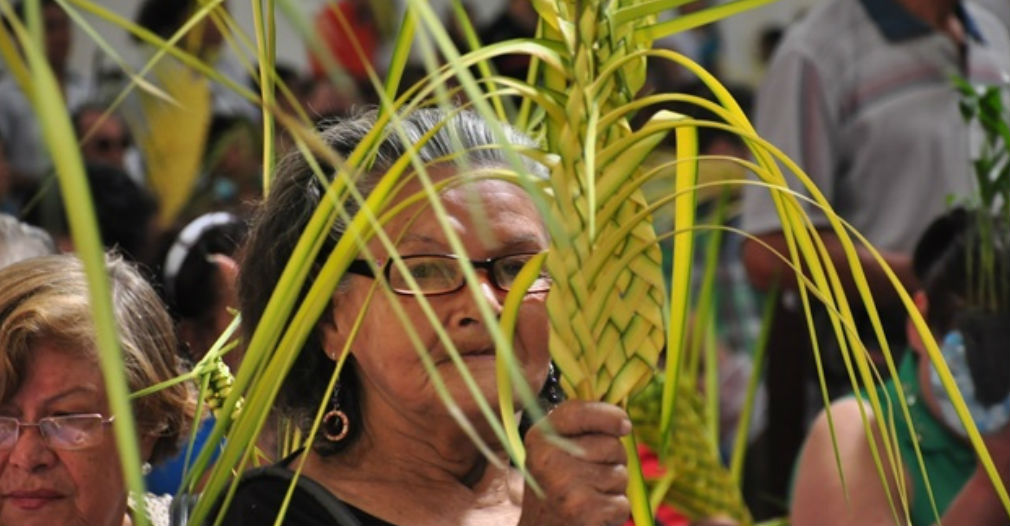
point(296, 193)
point(19, 241)
point(460, 132)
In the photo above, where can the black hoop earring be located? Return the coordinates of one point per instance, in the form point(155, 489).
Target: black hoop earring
point(336, 425)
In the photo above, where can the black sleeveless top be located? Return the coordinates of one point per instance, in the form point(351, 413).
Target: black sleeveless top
point(261, 492)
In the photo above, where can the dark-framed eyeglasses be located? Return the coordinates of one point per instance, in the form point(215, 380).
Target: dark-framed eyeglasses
point(443, 273)
point(67, 432)
point(109, 144)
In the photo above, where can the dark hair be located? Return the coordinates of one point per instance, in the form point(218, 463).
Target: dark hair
point(163, 17)
point(93, 107)
point(283, 216)
point(124, 211)
point(945, 260)
point(941, 263)
point(187, 274)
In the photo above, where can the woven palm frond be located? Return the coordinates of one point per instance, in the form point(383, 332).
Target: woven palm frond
point(695, 481)
point(607, 326)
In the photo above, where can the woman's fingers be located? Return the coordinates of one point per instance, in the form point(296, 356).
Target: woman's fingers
point(599, 449)
point(576, 417)
point(609, 479)
point(584, 475)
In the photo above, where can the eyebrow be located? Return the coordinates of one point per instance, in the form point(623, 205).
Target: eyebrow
point(522, 242)
point(68, 393)
point(420, 238)
point(8, 408)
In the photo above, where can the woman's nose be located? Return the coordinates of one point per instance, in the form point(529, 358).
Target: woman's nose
point(491, 295)
point(31, 452)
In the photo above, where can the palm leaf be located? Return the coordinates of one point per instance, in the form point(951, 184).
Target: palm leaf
point(46, 98)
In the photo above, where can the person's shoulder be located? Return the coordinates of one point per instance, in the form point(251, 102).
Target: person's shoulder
point(824, 23)
point(262, 493)
point(259, 497)
point(844, 420)
point(826, 38)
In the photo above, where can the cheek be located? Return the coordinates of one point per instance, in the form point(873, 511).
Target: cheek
point(103, 503)
point(532, 338)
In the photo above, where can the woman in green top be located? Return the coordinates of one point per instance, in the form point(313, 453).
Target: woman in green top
point(962, 491)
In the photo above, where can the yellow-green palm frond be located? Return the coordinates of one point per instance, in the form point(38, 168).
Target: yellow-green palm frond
point(172, 135)
point(605, 339)
point(694, 481)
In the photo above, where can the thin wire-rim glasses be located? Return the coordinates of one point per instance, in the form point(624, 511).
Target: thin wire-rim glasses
point(67, 432)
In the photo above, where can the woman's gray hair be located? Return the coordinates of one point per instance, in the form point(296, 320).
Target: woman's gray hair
point(462, 137)
point(20, 241)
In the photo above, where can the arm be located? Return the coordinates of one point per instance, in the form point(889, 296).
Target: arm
point(819, 496)
point(977, 502)
point(765, 268)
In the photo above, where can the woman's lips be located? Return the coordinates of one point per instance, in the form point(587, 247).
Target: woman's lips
point(479, 353)
point(32, 499)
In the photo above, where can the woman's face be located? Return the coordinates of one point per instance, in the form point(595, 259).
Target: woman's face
point(492, 219)
point(44, 485)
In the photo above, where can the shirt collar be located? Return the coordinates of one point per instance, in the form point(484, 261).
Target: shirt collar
point(897, 24)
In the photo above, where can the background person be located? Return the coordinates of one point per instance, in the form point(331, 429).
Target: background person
point(859, 94)
point(390, 452)
point(963, 491)
point(19, 241)
point(59, 463)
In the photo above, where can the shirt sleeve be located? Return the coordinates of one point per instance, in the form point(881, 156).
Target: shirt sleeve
point(795, 113)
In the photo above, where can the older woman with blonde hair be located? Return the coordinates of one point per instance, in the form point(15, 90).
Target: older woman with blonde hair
point(59, 461)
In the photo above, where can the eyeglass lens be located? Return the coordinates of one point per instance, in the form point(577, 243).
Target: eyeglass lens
point(62, 432)
point(442, 274)
point(107, 144)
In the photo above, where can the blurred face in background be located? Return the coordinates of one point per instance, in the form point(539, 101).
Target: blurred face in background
point(58, 36)
point(107, 143)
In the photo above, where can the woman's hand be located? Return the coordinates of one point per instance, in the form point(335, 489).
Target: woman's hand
point(587, 486)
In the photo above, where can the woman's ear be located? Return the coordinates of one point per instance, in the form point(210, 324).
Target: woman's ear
point(147, 442)
point(914, 338)
point(226, 278)
point(332, 337)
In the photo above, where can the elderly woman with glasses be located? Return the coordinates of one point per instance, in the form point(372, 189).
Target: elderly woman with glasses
point(59, 463)
point(390, 452)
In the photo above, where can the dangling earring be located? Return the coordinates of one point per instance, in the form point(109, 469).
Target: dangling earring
point(335, 422)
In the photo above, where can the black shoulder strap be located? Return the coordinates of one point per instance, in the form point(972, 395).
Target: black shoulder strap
point(322, 496)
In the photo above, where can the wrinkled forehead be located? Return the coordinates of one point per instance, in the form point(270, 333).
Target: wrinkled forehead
point(24, 358)
point(486, 213)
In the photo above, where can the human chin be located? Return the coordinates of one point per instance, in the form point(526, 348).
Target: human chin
point(31, 511)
